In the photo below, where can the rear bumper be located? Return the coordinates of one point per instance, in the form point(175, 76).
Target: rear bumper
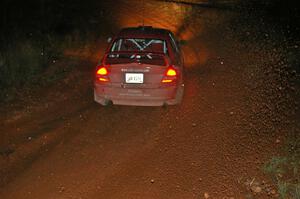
point(135, 97)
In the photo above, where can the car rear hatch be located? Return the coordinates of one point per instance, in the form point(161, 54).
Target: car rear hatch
point(140, 70)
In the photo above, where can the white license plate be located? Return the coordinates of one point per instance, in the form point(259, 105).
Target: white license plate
point(134, 78)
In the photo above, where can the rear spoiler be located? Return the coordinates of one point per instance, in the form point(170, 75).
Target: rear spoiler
point(135, 56)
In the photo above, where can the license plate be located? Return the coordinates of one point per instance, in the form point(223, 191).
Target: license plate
point(134, 78)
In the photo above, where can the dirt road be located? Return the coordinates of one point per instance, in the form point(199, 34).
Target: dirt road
point(61, 144)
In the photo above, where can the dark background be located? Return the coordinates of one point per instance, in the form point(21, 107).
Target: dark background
point(60, 17)
point(33, 32)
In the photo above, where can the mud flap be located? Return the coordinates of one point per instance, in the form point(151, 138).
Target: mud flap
point(102, 101)
point(178, 97)
point(179, 94)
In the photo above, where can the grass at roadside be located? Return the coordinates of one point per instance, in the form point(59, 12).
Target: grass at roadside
point(285, 169)
point(23, 61)
point(35, 34)
point(30, 62)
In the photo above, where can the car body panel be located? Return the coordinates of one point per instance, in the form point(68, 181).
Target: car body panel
point(135, 77)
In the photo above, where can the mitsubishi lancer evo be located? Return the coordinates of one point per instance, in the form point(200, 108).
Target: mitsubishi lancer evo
point(142, 66)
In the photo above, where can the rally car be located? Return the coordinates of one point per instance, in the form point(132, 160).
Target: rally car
point(142, 66)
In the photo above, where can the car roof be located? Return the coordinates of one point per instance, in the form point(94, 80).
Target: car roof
point(143, 32)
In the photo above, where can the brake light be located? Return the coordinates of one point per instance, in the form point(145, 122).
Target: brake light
point(102, 73)
point(170, 75)
point(171, 72)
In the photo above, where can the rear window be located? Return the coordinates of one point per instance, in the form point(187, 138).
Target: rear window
point(143, 58)
point(139, 45)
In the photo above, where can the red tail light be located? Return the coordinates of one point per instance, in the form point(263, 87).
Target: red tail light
point(171, 72)
point(102, 73)
point(170, 75)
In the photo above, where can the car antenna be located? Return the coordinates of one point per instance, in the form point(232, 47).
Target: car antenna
point(143, 15)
